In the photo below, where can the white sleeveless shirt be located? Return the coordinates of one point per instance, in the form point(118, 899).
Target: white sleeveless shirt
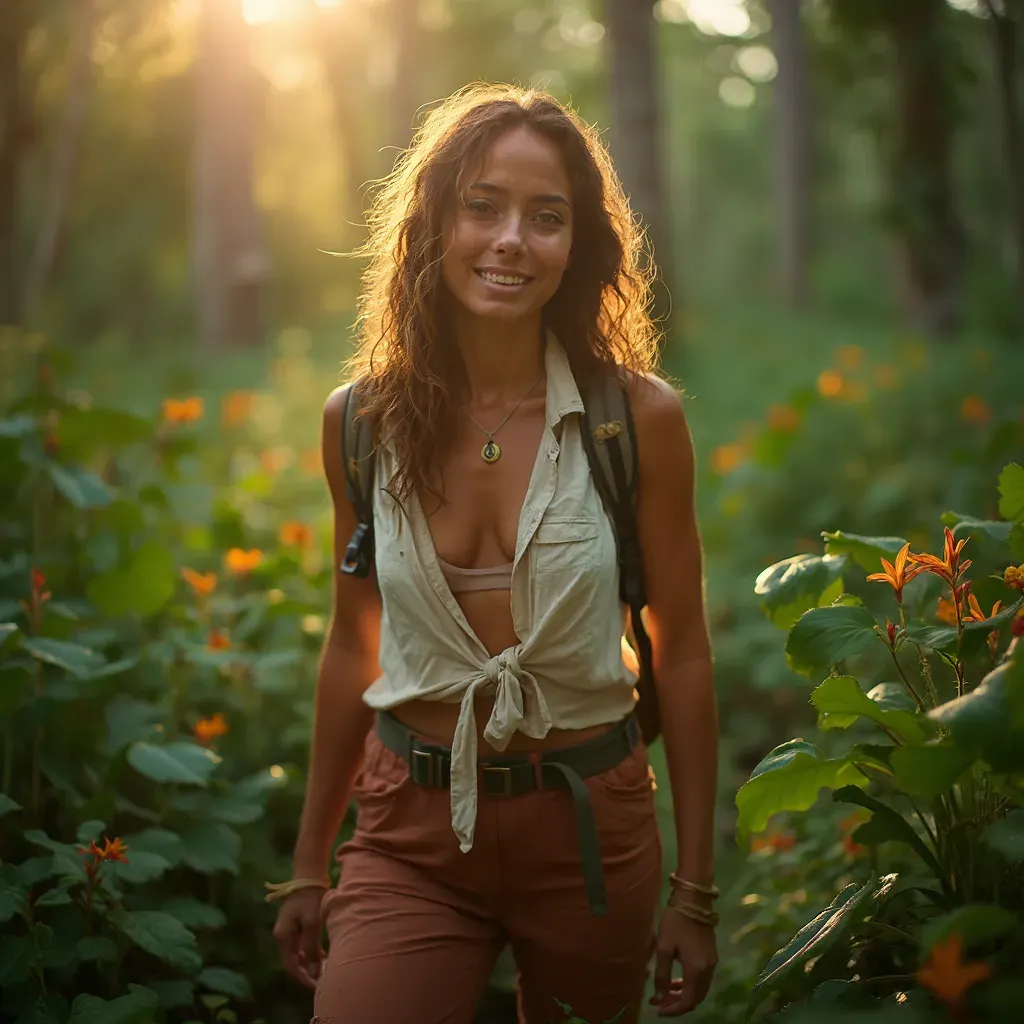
point(567, 670)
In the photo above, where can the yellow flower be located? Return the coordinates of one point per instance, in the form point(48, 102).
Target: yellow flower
point(206, 730)
point(236, 407)
point(974, 409)
point(1014, 577)
point(201, 582)
point(185, 410)
point(945, 973)
point(241, 562)
point(295, 535)
point(831, 383)
point(898, 575)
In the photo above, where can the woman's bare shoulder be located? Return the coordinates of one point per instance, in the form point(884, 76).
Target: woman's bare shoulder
point(655, 402)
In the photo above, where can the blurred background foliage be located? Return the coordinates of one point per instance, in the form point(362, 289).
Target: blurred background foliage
point(834, 191)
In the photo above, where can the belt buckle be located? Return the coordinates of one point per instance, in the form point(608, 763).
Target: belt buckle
point(429, 759)
point(506, 773)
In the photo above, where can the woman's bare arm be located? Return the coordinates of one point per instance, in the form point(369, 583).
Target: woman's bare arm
point(348, 665)
point(673, 564)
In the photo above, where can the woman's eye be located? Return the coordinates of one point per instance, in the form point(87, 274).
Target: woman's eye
point(478, 206)
point(547, 217)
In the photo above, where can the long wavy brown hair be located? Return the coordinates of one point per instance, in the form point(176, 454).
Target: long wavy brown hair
point(406, 358)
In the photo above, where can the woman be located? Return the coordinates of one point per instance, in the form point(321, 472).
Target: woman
point(504, 267)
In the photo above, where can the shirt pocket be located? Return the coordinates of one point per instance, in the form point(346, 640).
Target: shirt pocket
point(566, 545)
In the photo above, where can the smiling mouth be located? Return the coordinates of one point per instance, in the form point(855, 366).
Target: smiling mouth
point(507, 280)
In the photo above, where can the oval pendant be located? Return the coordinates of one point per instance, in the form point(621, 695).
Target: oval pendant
point(490, 452)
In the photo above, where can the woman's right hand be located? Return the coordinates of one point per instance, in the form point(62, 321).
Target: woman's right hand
point(297, 933)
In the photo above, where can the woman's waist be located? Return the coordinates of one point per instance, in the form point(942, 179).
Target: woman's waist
point(436, 720)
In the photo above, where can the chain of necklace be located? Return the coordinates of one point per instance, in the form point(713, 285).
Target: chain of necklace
point(491, 452)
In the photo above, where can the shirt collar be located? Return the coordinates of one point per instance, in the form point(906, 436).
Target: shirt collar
point(563, 396)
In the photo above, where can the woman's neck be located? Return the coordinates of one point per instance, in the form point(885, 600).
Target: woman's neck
point(501, 359)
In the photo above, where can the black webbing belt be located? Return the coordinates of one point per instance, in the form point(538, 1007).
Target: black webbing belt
point(512, 774)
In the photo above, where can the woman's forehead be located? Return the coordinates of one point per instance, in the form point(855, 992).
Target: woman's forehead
point(519, 160)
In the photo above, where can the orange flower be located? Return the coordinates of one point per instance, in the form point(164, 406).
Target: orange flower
point(784, 418)
point(949, 567)
point(241, 562)
point(946, 611)
point(774, 841)
point(898, 575)
point(201, 582)
point(206, 730)
point(974, 409)
point(945, 973)
point(849, 357)
point(726, 457)
point(186, 410)
point(851, 847)
point(95, 856)
point(218, 640)
point(1014, 577)
point(974, 612)
point(114, 849)
point(831, 383)
point(274, 460)
point(310, 461)
point(295, 535)
point(236, 407)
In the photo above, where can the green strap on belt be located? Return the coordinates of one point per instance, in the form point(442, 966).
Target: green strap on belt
point(590, 847)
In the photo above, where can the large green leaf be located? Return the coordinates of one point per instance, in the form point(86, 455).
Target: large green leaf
point(929, 770)
point(230, 983)
point(130, 720)
point(1011, 493)
point(140, 1006)
point(1007, 836)
point(142, 587)
point(82, 431)
point(7, 805)
point(823, 637)
point(821, 934)
point(227, 807)
point(211, 846)
point(974, 923)
point(790, 779)
point(983, 721)
point(965, 526)
point(944, 638)
point(840, 702)
point(180, 761)
point(9, 633)
point(788, 588)
point(885, 825)
point(81, 487)
point(74, 658)
point(193, 914)
point(66, 858)
point(867, 552)
point(160, 934)
point(161, 842)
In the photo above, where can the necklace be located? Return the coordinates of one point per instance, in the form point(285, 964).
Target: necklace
point(491, 451)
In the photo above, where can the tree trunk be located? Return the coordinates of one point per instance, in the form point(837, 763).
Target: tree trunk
point(792, 102)
point(232, 265)
point(13, 29)
point(1005, 37)
point(924, 208)
point(636, 133)
point(405, 93)
point(76, 105)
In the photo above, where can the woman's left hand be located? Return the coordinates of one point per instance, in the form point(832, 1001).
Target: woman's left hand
point(691, 945)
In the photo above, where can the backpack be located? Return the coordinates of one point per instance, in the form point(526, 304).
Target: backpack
point(609, 438)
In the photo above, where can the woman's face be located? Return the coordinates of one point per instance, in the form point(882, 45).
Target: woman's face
point(507, 242)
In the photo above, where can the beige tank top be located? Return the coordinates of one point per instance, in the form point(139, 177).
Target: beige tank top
point(567, 671)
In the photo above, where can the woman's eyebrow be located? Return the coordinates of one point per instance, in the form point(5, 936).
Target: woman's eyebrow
point(546, 197)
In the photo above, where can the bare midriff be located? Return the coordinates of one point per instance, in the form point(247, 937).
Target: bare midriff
point(488, 613)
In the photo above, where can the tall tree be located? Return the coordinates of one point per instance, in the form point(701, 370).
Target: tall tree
point(232, 264)
point(1007, 17)
point(14, 25)
point(636, 133)
point(792, 102)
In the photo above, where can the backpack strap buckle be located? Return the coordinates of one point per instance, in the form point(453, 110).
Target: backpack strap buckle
point(359, 552)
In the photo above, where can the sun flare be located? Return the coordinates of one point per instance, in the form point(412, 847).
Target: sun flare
point(260, 12)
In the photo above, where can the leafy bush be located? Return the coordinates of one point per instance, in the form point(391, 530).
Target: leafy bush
point(935, 701)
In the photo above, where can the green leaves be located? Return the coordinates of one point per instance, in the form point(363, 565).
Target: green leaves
point(944, 638)
point(227, 982)
point(867, 552)
point(825, 636)
point(142, 587)
point(929, 770)
point(789, 779)
point(160, 934)
point(140, 1006)
point(974, 922)
point(1011, 493)
point(840, 702)
point(1007, 836)
point(180, 761)
point(74, 658)
point(822, 933)
point(81, 487)
point(792, 586)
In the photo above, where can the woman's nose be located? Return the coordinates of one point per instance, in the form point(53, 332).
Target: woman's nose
point(510, 236)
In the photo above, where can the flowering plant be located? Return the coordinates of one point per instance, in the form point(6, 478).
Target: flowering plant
point(940, 707)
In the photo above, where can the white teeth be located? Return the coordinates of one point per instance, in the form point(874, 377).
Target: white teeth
point(501, 278)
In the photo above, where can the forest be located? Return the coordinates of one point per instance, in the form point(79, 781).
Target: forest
point(833, 196)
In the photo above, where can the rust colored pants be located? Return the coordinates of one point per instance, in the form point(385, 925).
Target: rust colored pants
point(415, 926)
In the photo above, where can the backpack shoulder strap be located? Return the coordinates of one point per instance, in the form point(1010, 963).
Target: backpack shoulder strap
point(358, 455)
